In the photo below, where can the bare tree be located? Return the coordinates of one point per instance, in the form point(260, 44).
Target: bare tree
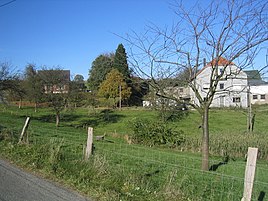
point(234, 30)
point(8, 80)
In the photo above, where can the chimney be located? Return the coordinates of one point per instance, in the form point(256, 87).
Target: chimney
point(204, 62)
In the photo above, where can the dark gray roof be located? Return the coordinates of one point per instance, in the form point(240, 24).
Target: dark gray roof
point(254, 78)
point(253, 74)
point(54, 76)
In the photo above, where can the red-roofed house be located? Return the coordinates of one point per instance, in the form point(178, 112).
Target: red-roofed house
point(232, 89)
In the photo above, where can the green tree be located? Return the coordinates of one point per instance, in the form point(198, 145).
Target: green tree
point(56, 83)
point(79, 83)
point(99, 69)
point(77, 91)
point(33, 85)
point(114, 87)
point(120, 61)
point(139, 88)
point(79, 78)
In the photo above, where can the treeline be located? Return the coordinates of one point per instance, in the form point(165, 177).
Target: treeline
point(111, 83)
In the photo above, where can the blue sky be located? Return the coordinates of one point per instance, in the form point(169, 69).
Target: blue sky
point(72, 33)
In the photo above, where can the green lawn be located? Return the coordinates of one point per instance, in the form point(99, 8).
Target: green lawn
point(119, 171)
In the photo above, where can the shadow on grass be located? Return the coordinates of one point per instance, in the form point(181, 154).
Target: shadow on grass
point(214, 167)
point(104, 117)
point(261, 196)
point(76, 120)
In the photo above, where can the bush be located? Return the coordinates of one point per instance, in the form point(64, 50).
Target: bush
point(153, 133)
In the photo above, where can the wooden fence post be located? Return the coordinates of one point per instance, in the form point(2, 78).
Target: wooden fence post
point(250, 173)
point(24, 129)
point(89, 143)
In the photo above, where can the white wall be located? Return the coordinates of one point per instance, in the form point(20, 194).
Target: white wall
point(233, 87)
point(257, 93)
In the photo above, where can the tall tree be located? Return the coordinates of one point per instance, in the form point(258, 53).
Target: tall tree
point(115, 87)
point(120, 61)
point(33, 85)
point(99, 69)
point(235, 30)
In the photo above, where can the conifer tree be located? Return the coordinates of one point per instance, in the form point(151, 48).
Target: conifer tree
point(120, 61)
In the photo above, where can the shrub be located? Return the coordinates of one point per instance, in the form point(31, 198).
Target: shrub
point(155, 133)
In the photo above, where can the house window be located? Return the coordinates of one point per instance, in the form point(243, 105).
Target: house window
point(181, 90)
point(221, 70)
point(255, 97)
point(236, 99)
point(263, 96)
point(221, 85)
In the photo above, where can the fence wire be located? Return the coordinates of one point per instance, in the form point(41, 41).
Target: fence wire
point(162, 168)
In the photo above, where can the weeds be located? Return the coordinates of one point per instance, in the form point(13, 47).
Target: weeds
point(155, 133)
point(55, 153)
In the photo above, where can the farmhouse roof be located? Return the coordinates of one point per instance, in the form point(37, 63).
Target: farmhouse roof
point(221, 62)
point(63, 75)
point(254, 78)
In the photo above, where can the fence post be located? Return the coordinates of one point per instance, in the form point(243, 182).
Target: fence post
point(24, 129)
point(89, 143)
point(250, 173)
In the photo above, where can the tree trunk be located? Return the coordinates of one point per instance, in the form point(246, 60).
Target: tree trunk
point(20, 103)
point(35, 107)
point(205, 140)
point(57, 119)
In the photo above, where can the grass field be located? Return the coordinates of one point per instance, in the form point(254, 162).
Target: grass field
point(122, 171)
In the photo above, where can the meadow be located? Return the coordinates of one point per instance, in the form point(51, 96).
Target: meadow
point(119, 170)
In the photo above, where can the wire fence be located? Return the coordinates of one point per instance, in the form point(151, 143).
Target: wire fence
point(166, 167)
point(224, 182)
point(159, 169)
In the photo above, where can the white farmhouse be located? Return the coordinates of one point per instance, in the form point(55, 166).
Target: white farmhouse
point(232, 90)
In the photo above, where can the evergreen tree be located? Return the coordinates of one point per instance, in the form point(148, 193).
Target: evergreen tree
point(120, 61)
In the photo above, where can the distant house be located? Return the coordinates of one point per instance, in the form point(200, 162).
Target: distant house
point(55, 81)
point(232, 89)
point(178, 92)
point(257, 87)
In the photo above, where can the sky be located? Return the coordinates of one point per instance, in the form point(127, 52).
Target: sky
point(71, 34)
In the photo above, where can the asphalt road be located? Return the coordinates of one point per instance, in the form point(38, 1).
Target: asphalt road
point(17, 185)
